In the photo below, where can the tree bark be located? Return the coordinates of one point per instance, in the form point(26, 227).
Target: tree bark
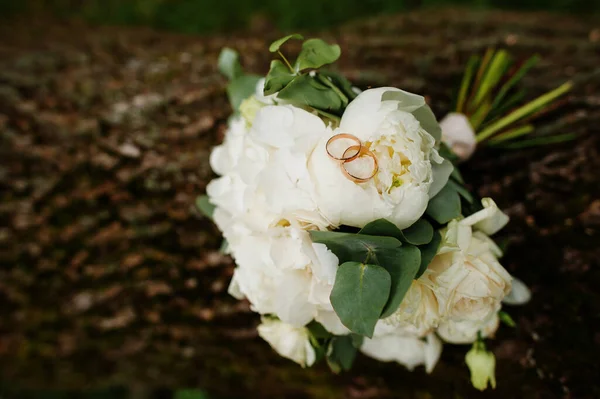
point(110, 276)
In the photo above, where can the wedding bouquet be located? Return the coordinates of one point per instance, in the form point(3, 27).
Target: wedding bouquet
point(350, 226)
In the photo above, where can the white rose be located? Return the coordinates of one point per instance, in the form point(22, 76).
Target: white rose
point(419, 312)
point(289, 341)
point(410, 168)
point(407, 350)
point(459, 135)
point(467, 272)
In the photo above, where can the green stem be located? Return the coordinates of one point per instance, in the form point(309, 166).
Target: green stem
point(466, 83)
point(286, 61)
point(524, 111)
point(336, 89)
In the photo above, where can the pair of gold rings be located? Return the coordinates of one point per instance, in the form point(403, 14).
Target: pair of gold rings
point(350, 154)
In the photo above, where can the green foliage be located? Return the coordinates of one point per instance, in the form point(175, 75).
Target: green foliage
point(402, 264)
point(304, 90)
point(445, 206)
point(241, 85)
point(316, 53)
point(204, 206)
point(359, 294)
point(229, 63)
point(274, 47)
point(355, 247)
point(341, 353)
point(428, 251)
point(278, 77)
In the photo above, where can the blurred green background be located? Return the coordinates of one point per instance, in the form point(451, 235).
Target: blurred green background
point(206, 16)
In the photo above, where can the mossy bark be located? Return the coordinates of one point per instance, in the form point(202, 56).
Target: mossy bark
point(110, 276)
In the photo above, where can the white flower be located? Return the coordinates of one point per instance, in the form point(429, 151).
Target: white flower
point(519, 294)
point(283, 273)
point(394, 129)
point(469, 277)
point(419, 312)
point(389, 345)
point(459, 135)
point(482, 365)
point(289, 341)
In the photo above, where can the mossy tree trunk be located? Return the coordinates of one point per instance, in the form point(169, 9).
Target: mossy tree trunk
point(110, 276)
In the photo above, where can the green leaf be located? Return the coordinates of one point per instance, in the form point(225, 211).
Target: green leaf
point(240, 89)
point(428, 252)
point(382, 227)
point(506, 319)
point(340, 81)
point(357, 340)
point(274, 47)
point(317, 330)
point(461, 190)
point(278, 77)
point(359, 294)
point(205, 207)
point(190, 394)
point(355, 247)
point(402, 264)
point(304, 90)
point(428, 121)
point(229, 64)
point(315, 53)
point(341, 353)
point(445, 206)
point(421, 232)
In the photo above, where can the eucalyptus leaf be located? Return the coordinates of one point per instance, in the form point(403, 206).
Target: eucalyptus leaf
point(357, 340)
point(428, 251)
point(341, 353)
point(229, 63)
point(278, 77)
point(461, 190)
point(445, 206)
point(205, 207)
point(315, 53)
point(304, 90)
point(402, 264)
point(241, 88)
point(355, 247)
point(421, 232)
point(382, 227)
point(274, 47)
point(359, 294)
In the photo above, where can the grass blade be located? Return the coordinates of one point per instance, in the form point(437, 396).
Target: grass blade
point(498, 65)
point(466, 82)
point(525, 110)
point(515, 78)
point(511, 134)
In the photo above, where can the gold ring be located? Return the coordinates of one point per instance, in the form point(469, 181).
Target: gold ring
point(361, 151)
point(344, 158)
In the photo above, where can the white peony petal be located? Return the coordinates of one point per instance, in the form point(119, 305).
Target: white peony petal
point(289, 341)
point(433, 351)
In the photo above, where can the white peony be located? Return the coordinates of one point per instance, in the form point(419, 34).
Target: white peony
point(289, 341)
point(393, 125)
point(283, 273)
point(468, 275)
point(389, 344)
point(459, 135)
